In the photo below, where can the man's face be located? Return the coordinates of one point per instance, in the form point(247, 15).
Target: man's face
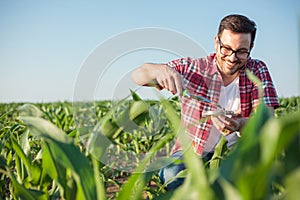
point(236, 44)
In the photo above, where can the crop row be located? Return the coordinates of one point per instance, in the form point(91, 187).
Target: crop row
point(98, 150)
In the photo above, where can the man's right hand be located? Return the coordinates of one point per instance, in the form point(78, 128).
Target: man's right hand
point(160, 76)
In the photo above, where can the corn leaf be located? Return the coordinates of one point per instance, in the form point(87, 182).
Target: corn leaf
point(292, 182)
point(219, 151)
point(54, 169)
point(34, 171)
point(135, 96)
point(277, 135)
point(193, 187)
point(65, 153)
point(21, 192)
point(137, 179)
point(99, 182)
point(29, 110)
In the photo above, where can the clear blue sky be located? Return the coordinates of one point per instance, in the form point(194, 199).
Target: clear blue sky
point(43, 44)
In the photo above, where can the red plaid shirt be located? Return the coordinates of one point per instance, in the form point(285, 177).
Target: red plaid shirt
point(201, 77)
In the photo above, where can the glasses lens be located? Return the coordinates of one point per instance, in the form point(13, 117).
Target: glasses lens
point(242, 55)
point(228, 52)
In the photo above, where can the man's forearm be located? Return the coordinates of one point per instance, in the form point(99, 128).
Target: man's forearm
point(146, 74)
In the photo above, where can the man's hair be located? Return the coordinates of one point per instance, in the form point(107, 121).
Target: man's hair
point(239, 24)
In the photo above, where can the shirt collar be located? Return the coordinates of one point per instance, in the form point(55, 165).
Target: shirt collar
point(213, 68)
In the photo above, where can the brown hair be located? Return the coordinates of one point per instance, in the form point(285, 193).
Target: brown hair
point(238, 24)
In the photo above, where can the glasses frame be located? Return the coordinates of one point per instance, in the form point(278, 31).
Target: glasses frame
point(235, 52)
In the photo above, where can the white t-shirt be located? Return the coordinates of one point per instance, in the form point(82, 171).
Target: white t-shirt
point(230, 100)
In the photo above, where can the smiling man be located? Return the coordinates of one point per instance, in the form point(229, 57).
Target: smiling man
point(220, 77)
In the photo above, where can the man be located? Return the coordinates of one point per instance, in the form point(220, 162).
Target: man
point(220, 77)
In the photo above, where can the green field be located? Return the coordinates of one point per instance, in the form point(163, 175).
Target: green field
point(108, 150)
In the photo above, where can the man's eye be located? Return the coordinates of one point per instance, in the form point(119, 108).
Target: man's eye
point(227, 49)
point(242, 52)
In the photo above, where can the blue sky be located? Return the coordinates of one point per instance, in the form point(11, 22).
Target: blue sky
point(44, 44)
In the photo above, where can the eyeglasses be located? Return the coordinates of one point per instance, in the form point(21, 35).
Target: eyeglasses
point(226, 51)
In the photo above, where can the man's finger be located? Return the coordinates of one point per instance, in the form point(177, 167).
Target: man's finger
point(178, 84)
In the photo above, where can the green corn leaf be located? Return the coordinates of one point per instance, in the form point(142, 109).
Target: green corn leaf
point(135, 96)
point(99, 182)
point(36, 173)
point(253, 127)
point(108, 127)
point(219, 151)
point(97, 143)
point(137, 179)
point(3, 164)
point(256, 81)
point(33, 171)
point(292, 182)
point(159, 163)
point(29, 110)
point(193, 187)
point(24, 142)
point(230, 191)
point(54, 169)
point(139, 113)
point(20, 192)
point(134, 181)
point(277, 135)
point(250, 166)
point(66, 153)
point(129, 119)
point(4, 115)
point(246, 154)
point(137, 108)
point(124, 121)
point(19, 168)
point(42, 128)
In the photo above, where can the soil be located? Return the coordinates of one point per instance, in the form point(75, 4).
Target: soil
point(112, 188)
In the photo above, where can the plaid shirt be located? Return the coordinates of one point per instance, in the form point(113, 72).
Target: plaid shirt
point(201, 77)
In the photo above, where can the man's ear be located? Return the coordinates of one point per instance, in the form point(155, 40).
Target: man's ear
point(216, 42)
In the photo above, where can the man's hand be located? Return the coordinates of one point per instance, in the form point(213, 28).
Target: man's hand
point(233, 124)
point(227, 125)
point(170, 80)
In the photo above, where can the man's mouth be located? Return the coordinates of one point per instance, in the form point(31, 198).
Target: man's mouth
point(231, 64)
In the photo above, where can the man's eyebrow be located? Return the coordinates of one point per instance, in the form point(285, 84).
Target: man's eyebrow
point(242, 49)
point(227, 46)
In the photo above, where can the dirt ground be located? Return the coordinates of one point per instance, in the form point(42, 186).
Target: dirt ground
point(112, 188)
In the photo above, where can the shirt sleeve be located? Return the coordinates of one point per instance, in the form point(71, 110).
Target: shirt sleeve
point(180, 65)
point(270, 96)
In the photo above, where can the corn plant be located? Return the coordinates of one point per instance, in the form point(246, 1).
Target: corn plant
point(264, 164)
point(44, 156)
